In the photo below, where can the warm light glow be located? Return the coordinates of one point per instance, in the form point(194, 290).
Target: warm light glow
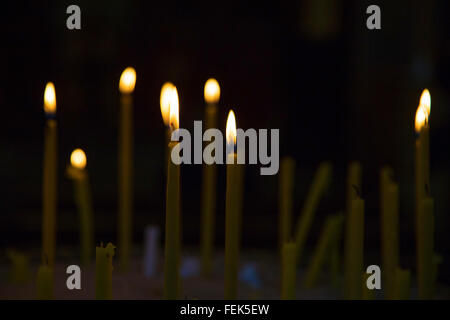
point(231, 128)
point(127, 80)
point(78, 159)
point(425, 101)
point(173, 107)
point(421, 117)
point(164, 101)
point(212, 91)
point(49, 98)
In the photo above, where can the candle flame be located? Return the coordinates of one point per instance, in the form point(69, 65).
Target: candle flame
point(127, 80)
point(174, 105)
point(421, 118)
point(78, 159)
point(49, 98)
point(231, 129)
point(425, 100)
point(164, 101)
point(212, 91)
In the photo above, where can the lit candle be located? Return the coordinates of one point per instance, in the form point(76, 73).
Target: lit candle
point(77, 172)
point(173, 230)
point(103, 271)
point(285, 196)
point(164, 101)
point(232, 211)
point(425, 256)
point(212, 95)
point(44, 282)
point(288, 270)
point(126, 87)
point(320, 183)
point(327, 239)
point(49, 194)
point(389, 229)
point(354, 270)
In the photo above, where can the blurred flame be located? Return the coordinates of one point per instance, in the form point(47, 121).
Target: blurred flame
point(164, 101)
point(231, 128)
point(173, 108)
point(49, 98)
point(78, 159)
point(425, 100)
point(421, 117)
point(127, 80)
point(212, 91)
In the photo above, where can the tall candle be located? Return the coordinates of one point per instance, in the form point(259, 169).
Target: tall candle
point(323, 249)
point(232, 210)
point(285, 199)
point(49, 194)
point(126, 87)
point(320, 183)
point(44, 282)
point(425, 256)
point(356, 249)
point(288, 270)
point(103, 271)
point(212, 95)
point(173, 230)
point(389, 229)
point(164, 101)
point(77, 172)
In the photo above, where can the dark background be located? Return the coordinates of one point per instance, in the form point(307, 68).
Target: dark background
point(336, 90)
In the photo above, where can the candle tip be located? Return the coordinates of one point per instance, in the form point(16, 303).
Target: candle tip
point(50, 98)
point(212, 91)
point(127, 80)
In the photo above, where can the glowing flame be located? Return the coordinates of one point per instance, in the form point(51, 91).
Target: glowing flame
point(425, 101)
point(164, 101)
point(231, 128)
point(49, 98)
point(78, 159)
point(212, 91)
point(173, 108)
point(127, 80)
point(421, 118)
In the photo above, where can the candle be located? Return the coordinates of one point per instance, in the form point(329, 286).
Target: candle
point(103, 271)
point(389, 229)
point(212, 95)
point(425, 255)
point(232, 212)
point(402, 284)
point(49, 194)
point(356, 249)
point(44, 283)
point(20, 267)
point(126, 87)
point(285, 196)
point(77, 172)
point(323, 249)
point(320, 183)
point(367, 294)
point(173, 229)
point(164, 101)
point(288, 270)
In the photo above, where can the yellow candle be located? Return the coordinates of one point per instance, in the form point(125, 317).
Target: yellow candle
point(103, 271)
point(323, 249)
point(288, 271)
point(389, 230)
point(285, 199)
point(402, 284)
point(173, 230)
point(356, 249)
point(425, 255)
point(126, 87)
point(78, 173)
point(320, 183)
point(232, 212)
point(49, 203)
point(44, 283)
point(212, 95)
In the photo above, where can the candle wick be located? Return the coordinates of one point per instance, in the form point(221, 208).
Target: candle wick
point(357, 191)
